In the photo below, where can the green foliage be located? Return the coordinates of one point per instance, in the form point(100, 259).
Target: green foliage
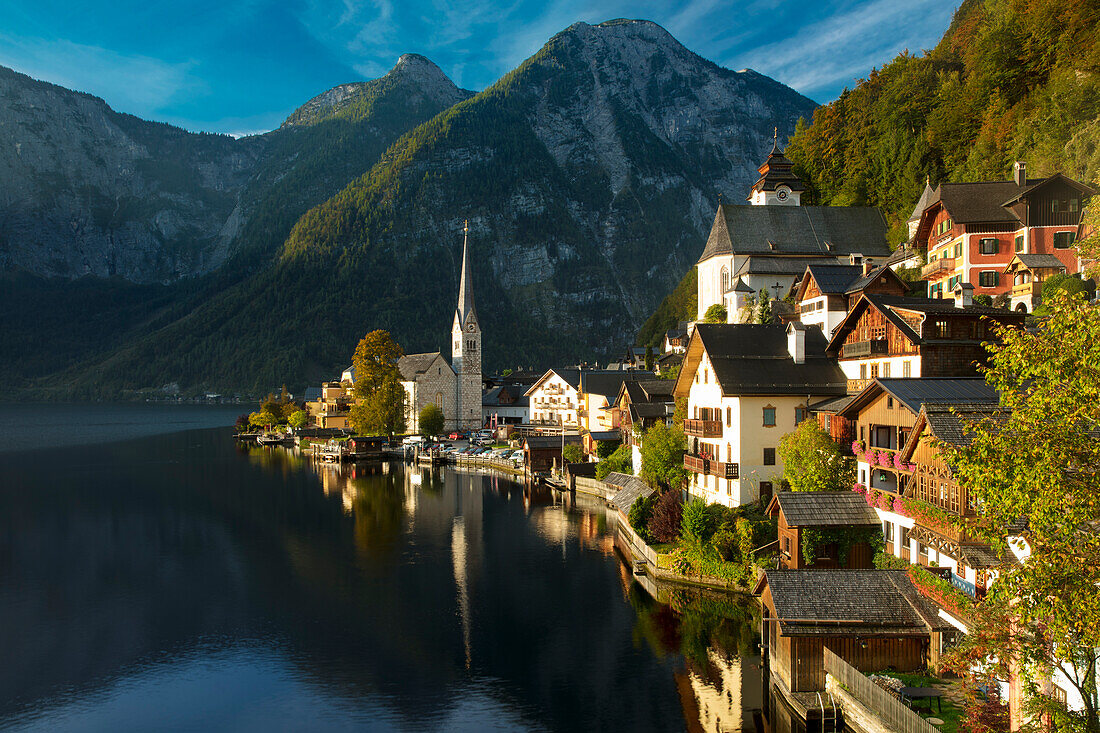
point(382, 412)
point(812, 460)
point(1036, 459)
point(662, 450)
point(814, 541)
point(764, 312)
point(1008, 81)
point(1063, 283)
point(618, 462)
point(375, 361)
point(641, 511)
point(606, 448)
point(431, 419)
point(264, 419)
point(699, 521)
point(298, 419)
point(573, 453)
point(715, 314)
point(679, 305)
point(721, 541)
point(886, 561)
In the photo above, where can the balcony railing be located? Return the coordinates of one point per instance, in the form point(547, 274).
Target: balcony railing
point(857, 349)
point(707, 466)
point(857, 385)
point(703, 428)
point(1024, 290)
point(939, 267)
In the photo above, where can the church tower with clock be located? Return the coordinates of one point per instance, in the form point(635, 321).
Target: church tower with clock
point(466, 346)
point(777, 185)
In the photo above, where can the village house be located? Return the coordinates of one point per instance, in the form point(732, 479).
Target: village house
point(883, 416)
point(745, 386)
point(595, 392)
point(813, 527)
point(769, 244)
point(332, 406)
point(676, 339)
point(888, 336)
point(872, 619)
point(506, 404)
point(554, 398)
point(827, 292)
point(640, 405)
point(971, 231)
point(1026, 273)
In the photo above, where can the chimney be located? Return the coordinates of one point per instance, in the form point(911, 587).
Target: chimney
point(868, 265)
point(964, 295)
point(796, 342)
point(1019, 173)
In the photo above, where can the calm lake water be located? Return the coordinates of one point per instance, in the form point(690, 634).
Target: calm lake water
point(180, 582)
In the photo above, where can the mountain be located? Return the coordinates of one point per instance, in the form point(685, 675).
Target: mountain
point(589, 175)
point(1008, 81)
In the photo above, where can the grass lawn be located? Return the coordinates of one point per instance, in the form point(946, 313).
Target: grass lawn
point(951, 714)
point(664, 548)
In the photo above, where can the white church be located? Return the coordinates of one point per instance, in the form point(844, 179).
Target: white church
point(456, 387)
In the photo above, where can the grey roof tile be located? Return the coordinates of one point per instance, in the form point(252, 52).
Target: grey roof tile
point(825, 509)
point(826, 231)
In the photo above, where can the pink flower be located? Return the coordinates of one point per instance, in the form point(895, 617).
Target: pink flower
point(858, 488)
point(898, 463)
point(884, 459)
point(899, 505)
point(857, 446)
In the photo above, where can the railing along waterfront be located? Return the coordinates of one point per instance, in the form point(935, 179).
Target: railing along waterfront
point(892, 712)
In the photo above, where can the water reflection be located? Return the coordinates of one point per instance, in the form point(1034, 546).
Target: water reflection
point(234, 587)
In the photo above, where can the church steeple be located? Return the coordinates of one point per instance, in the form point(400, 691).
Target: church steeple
point(777, 183)
point(465, 283)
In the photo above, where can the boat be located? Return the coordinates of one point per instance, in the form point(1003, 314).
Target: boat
point(274, 439)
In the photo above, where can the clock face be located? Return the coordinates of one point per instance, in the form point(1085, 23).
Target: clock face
point(781, 194)
point(470, 327)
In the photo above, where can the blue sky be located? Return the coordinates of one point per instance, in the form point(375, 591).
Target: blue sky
point(240, 66)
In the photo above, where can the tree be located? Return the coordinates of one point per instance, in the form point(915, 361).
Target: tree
point(663, 449)
point(606, 448)
point(298, 419)
point(572, 453)
point(1037, 458)
point(431, 419)
point(649, 358)
point(699, 521)
point(375, 360)
point(618, 462)
point(812, 460)
point(764, 311)
point(383, 411)
point(641, 511)
point(715, 314)
point(664, 525)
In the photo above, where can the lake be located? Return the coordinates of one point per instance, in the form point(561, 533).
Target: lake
point(177, 581)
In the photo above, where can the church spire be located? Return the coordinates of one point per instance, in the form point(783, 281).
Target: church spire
point(465, 284)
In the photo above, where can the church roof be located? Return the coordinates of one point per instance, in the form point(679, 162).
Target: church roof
point(776, 171)
point(823, 231)
point(925, 198)
point(411, 365)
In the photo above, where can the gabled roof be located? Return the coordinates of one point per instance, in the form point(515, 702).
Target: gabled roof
point(833, 279)
point(505, 396)
point(823, 508)
point(949, 422)
point(537, 442)
point(608, 383)
point(1032, 186)
point(914, 392)
point(766, 265)
point(864, 602)
point(823, 231)
point(410, 365)
point(312, 394)
point(1035, 262)
point(631, 488)
point(922, 203)
point(753, 359)
point(572, 377)
point(776, 171)
point(598, 435)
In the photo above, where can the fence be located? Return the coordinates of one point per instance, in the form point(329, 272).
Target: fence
point(893, 712)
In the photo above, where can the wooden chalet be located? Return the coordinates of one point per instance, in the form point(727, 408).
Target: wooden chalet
point(888, 336)
point(641, 405)
point(1027, 273)
point(822, 511)
point(970, 561)
point(827, 292)
point(873, 619)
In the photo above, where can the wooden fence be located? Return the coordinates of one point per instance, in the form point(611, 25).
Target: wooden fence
point(893, 713)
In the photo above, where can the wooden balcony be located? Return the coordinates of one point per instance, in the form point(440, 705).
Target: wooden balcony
point(703, 428)
point(860, 349)
point(1027, 290)
point(939, 268)
point(855, 386)
point(707, 466)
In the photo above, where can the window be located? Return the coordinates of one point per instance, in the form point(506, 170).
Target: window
point(862, 371)
point(1019, 243)
point(922, 550)
point(1054, 206)
point(906, 369)
point(958, 249)
point(1064, 240)
point(988, 246)
point(799, 415)
point(938, 328)
point(889, 403)
point(874, 371)
point(769, 417)
point(888, 531)
point(729, 417)
point(1072, 205)
point(886, 369)
point(988, 279)
point(769, 456)
point(705, 376)
point(787, 545)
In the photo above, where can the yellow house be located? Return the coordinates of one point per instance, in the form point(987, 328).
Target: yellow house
point(746, 386)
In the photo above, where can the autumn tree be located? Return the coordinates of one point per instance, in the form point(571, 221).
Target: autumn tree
point(1038, 459)
point(382, 412)
point(715, 314)
point(431, 419)
point(663, 451)
point(812, 460)
point(375, 360)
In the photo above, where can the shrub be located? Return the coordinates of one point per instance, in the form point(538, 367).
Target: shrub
point(606, 448)
point(641, 511)
point(573, 453)
point(618, 462)
point(664, 525)
point(699, 521)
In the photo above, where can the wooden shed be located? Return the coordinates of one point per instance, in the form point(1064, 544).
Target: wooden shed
point(829, 517)
point(873, 619)
point(542, 452)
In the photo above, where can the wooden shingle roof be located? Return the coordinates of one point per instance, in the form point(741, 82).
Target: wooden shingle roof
point(631, 488)
point(847, 602)
point(824, 508)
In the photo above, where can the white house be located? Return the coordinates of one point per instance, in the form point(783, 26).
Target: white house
point(554, 399)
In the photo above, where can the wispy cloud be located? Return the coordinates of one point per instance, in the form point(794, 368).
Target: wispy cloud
point(137, 84)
